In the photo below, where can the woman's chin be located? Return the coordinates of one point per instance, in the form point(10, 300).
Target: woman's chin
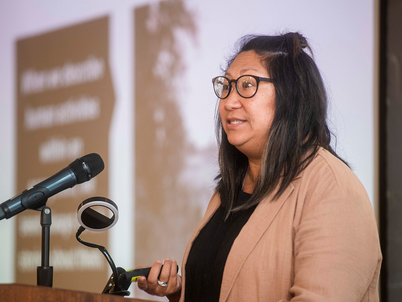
point(238, 143)
point(247, 148)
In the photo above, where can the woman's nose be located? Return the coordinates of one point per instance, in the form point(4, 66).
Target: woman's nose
point(233, 100)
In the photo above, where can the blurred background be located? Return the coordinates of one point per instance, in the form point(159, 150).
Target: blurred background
point(131, 81)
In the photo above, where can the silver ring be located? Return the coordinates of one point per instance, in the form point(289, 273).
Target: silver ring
point(163, 284)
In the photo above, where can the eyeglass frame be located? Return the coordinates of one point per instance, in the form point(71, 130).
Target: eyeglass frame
point(257, 79)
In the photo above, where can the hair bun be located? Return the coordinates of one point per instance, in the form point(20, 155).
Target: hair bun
point(296, 43)
point(303, 41)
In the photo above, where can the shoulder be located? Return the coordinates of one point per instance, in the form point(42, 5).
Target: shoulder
point(329, 192)
point(326, 166)
point(327, 174)
point(325, 161)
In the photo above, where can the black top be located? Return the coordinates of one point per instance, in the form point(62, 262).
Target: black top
point(210, 249)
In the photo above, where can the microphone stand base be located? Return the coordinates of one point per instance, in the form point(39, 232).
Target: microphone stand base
point(44, 276)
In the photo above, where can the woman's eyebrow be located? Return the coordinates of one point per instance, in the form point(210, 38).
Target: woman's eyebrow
point(243, 71)
point(248, 69)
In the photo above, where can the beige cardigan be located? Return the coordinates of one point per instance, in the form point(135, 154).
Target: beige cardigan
point(317, 242)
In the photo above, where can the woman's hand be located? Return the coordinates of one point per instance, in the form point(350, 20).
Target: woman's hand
point(169, 284)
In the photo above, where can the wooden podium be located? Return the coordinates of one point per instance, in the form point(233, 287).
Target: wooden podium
point(30, 293)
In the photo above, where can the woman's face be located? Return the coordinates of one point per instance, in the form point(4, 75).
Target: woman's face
point(247, 121)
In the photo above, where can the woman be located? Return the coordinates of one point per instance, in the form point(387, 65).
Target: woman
point(289, 221)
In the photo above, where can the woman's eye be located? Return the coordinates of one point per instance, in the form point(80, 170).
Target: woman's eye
point(247, 84)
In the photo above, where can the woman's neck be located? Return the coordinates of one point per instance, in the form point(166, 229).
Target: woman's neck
point(250, 180)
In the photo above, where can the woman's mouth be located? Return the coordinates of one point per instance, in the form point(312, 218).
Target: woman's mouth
point(235, 122)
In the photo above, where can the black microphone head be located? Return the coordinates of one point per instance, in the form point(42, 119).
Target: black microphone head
point(87, 167)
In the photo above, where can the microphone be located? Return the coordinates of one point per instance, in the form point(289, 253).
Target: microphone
point(79, 171)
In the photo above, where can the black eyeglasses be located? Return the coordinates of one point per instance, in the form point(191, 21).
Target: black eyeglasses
point(246, 85)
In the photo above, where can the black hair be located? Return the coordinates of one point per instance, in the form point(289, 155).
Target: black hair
point(299, 127)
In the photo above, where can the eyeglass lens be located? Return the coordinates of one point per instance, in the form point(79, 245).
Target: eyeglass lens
point(246, 86)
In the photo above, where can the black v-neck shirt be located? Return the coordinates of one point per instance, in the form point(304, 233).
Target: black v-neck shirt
point(210, 249)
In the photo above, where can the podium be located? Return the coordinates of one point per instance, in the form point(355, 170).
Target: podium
point(30, 293)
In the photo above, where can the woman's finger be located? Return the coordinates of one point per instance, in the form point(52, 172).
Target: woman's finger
point(142, 283)
point(153, 276)
point(165, 272)
point(172, 283)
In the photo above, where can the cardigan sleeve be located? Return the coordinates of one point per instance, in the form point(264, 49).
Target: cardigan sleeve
point(336, 247)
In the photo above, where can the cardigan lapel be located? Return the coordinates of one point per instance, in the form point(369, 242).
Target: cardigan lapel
point(248, 237)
